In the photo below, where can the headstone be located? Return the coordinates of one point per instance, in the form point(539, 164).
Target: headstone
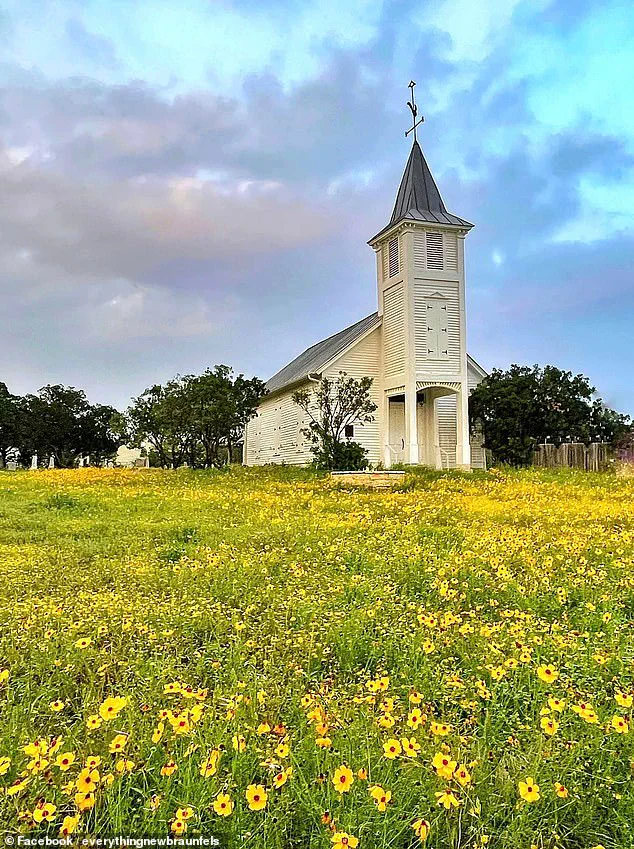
point(34, 461)
point(12, 465)
point(51, 462)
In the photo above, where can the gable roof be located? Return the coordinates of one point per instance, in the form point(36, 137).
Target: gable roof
point(418, 198)
point(313, 359)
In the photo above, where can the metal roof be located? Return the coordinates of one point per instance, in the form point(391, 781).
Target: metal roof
point(313, 359)
point(418, 198)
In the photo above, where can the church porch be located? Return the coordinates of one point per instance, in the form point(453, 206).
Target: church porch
point(434, 422)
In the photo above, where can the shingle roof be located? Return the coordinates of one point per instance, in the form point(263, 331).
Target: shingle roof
point(313, 359)
point(418, 198)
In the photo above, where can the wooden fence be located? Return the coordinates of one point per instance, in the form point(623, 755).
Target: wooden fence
point(574, 455)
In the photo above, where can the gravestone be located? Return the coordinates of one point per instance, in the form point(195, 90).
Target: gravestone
point(34, 461)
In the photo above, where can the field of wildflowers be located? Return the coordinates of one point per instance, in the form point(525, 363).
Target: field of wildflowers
point(263, 657)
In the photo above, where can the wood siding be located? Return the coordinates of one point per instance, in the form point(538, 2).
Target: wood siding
point(274, 435)
point(394, 330)
point(430, 297)
point(363, 360)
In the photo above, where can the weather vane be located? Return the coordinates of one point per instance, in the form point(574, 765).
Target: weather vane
point(414, 110)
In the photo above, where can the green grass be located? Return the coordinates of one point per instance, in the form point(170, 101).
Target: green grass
point(284, 596)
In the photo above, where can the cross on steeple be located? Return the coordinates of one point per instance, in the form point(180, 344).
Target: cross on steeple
point(414, 110)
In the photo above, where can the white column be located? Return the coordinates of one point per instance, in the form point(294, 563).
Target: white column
point(386, 436)
point(463, 446)
point(411, 428)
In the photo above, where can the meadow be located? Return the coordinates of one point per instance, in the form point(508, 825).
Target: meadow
point(263, 657)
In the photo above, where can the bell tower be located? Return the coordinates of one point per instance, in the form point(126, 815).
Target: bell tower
point(421, 298)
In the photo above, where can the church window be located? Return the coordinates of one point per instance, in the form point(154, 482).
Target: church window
point(393, 257)
point(349, 431)
point(433, 243)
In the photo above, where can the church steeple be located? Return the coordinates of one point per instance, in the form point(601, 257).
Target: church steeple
point(418, 198)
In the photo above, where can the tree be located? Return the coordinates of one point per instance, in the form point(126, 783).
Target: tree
point(331, 408)
point(10, 423)
point(221, 407)
point(195, 419)
point(524, 406)
point(161, 416)
point(60, 422)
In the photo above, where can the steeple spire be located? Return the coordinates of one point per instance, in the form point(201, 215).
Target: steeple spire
point(418, 197)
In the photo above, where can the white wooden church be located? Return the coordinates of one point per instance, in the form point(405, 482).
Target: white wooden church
point(413, 347)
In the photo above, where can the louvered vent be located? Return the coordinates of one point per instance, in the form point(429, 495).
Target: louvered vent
point(393, 260)
point(433, 244)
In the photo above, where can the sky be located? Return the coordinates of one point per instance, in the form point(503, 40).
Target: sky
point(186, 184)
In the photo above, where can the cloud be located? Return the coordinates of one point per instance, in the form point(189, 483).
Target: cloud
point(150, 227)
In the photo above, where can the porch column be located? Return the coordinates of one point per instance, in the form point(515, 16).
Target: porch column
point(386, 435)
point(411, 426)
point(463, 446)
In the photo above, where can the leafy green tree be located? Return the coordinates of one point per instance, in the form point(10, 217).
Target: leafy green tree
point(221, 406)
point(331, 408)
point(60, 422)
point(10, 424)
point(161, 416)
point(524, 406)
point(195, 419)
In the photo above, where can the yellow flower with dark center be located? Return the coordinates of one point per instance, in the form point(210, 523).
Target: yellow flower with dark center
point(185, 813)
point(343, 840)
point(411, 747)
point(158, 732)
point(69, 825)
point(440, 729)
point(343, 779)
point(122, 765)
point(169, 768)
point(549, 725)
point(92, 761)
point(462, 775)
point(223, 805)
point(444, 765)
point(209, 766)
point(118, 743)
point(256, 797)
point(529, 790)
point(84, 801)
point(57, 705)
point(561, 791)
point(547, 673)
point(381, 797)
point(178, 827)
point(112, 707)
point(93, 722)
point(391, 749)
point(87, 780)
point(5, 763)
point(623, 700)
point(280, 779)
point(65, 761)
point(83, 643)
point(556, 704)
point(421, 828)
point(415, 718)
point(44, 812)
point(448, 799)
point(282, 750)
point(620, 725)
